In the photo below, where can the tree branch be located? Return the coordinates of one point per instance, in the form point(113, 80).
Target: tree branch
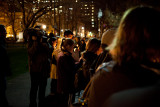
point(34, 21)
point(34, 15)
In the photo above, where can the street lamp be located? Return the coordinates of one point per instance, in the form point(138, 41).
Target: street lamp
point(61, 32)
point(99, 17)
point(82, 32)
point(44, 27)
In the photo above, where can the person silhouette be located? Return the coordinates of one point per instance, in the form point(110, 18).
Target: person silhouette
point(4, 66)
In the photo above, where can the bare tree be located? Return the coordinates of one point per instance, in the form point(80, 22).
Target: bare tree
point(31, 12)
point(10, 9)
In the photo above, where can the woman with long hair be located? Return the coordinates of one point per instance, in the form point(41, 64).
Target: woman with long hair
point(136, 54)
point(66, 69)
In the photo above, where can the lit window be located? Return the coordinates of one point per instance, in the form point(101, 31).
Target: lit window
point(92, 25)
point(70, 8)
point(92, 19)
point(92, 10)
point(92, 14)
point(76, 0)
point(85, 5)
point(60, 11)
point(92, 7)
point(88, 14)
point(60, 6)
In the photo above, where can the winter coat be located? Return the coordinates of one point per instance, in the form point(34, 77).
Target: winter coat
point(89, 58)
point(66, 69)
point(112, 78)
point(53, 73)
point(38, 55)
point(103, 57)
point(136, 97)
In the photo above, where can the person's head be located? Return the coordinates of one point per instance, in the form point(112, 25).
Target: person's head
point(52, 41)
point(138, 36)
point(51, 35)
point(2, 31)
point(107, 37)
point(31, 35)
point(68, 45)
point(68, 34)
point(93, 45)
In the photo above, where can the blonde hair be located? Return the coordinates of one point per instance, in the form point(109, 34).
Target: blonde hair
point(137, 33)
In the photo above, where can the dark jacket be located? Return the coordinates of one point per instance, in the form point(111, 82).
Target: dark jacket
point(66, 69)
point(136, 97)
point(112, 78)
point(4, 60)
point(89, 58)
point(38, 54)
point(103, 57)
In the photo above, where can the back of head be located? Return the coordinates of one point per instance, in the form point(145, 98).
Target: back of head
point(29, 33)
point(51, 40)
point(108, 37)
point(138, 35)
point(93, 45)
point(67, 33)
point(66, 44)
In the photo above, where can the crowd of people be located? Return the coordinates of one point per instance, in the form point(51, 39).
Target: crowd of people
point(120, 70)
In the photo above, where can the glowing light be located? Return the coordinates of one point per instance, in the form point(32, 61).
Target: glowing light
point(44, 26)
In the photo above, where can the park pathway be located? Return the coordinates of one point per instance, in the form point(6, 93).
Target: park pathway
point(18, 90)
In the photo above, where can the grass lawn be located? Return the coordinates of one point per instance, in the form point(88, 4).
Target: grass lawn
point(18, 60)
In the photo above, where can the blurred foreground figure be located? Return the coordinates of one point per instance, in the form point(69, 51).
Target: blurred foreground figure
point(4, 67)
point(136, 53)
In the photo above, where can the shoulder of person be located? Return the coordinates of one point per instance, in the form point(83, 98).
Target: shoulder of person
point(106, 67)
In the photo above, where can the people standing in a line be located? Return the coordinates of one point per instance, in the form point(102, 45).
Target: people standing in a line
point(69, 34)
point(93, 49)
point(136, 54)
point(39, 67)
point(4, 67)
point(105, 56)
point(66, 69)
